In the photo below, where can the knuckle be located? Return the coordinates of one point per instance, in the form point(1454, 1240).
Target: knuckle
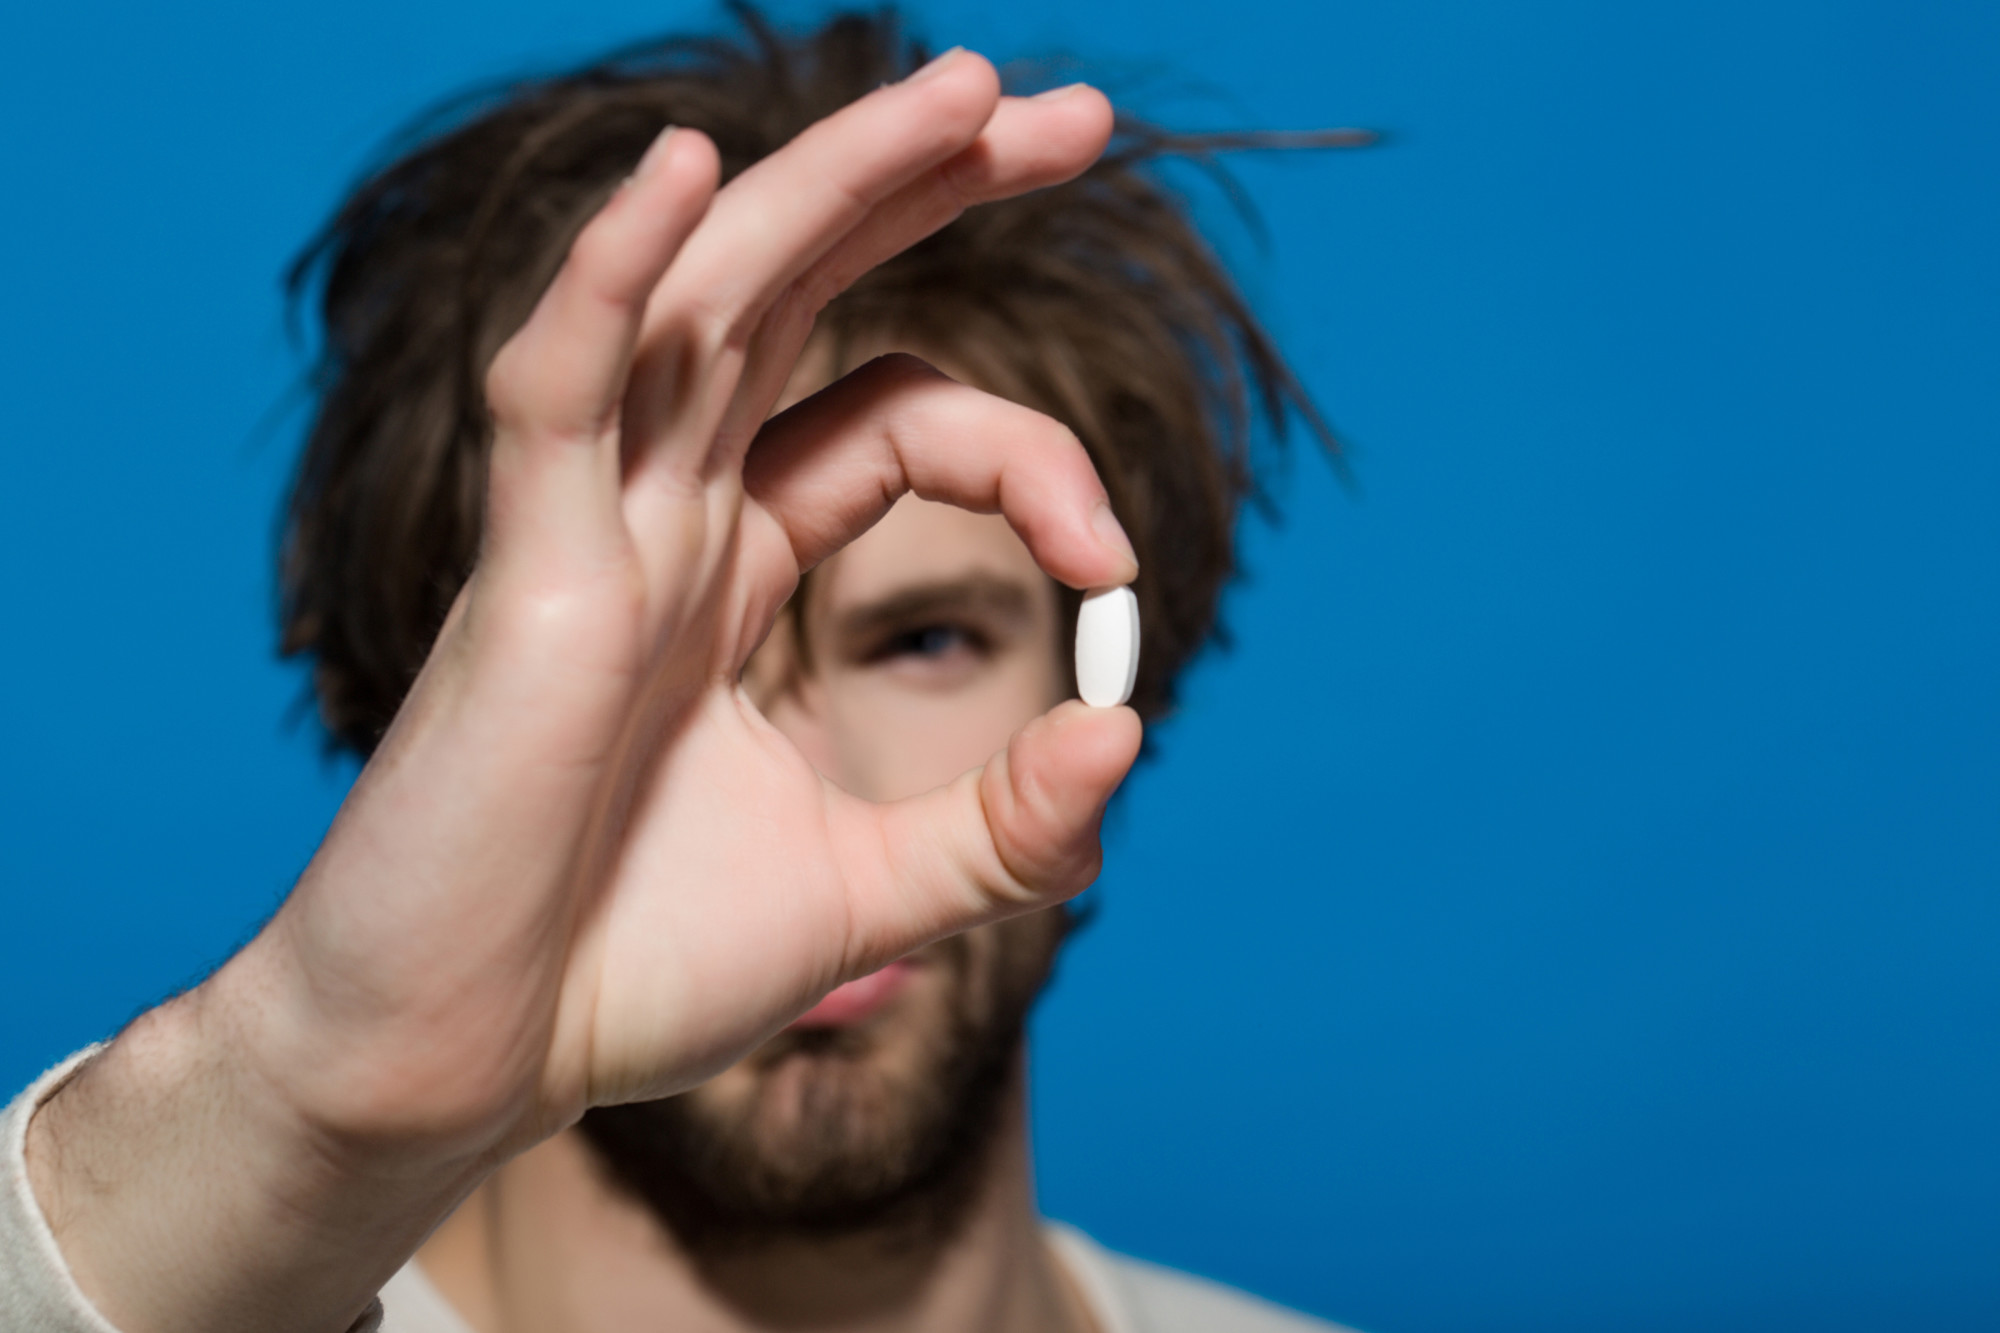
point(959, 185)
point(710, 324)
point(816, 291)
point(594, 255)
point(1057, 436)
point(899, 368)
point(568, 619)
point(505, 393)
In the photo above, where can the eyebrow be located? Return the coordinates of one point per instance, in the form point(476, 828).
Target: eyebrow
point(986, 594)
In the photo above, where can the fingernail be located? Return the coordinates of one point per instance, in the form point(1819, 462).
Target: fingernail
point(936, 64)
point(1057, 94)
point(1109, 531)
point(654, 155)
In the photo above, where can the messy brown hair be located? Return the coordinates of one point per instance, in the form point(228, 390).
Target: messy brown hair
point(1096, 302)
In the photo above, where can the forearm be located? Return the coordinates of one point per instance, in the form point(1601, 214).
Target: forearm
point(185, 1194)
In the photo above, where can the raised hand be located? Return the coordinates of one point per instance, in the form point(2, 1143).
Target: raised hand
point(582, 868)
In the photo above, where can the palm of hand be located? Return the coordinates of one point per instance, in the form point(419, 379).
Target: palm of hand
point(583, 868)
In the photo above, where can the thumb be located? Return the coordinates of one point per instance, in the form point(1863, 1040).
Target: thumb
point(1018, 834)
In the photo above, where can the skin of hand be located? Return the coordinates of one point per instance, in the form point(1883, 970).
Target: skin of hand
point(582, 868)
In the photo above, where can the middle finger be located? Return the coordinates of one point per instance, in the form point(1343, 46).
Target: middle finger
point(766, 228)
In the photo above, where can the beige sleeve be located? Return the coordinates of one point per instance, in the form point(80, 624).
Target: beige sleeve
point(1126, 1295)
point(36, 1290)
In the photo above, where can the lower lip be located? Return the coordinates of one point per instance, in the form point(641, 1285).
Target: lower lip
point(858, 999)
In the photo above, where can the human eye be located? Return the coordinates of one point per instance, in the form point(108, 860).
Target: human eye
point(933, 644)
point(931, 638)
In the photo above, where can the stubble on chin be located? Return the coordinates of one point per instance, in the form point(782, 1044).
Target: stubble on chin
point(883, 1128)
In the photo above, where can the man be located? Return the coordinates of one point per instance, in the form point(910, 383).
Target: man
point(668, 965)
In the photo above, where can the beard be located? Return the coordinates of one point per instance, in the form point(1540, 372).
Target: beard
point(880, 1127)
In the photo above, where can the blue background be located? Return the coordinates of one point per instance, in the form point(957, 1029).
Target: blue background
point(1573, 904)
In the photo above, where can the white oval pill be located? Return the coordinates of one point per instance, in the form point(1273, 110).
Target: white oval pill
point(1107, 646)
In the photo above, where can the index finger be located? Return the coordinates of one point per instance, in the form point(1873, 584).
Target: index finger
point(829, 467)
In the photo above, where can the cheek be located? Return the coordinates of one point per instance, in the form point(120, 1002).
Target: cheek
point(1023, 949)
point(989, 976)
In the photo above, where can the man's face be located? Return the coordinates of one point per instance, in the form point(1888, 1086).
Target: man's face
point(914, 654)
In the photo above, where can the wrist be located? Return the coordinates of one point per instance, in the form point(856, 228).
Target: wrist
point(355, 1086)
point(183, 1193)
